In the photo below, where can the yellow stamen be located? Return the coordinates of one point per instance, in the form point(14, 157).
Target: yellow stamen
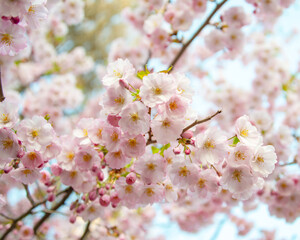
point(151, 166)
point(7, 143)
point(32, 156)
point(184, 171)
point(244, 132)
point(5, 118)
point(157, 91)
point(6, 39)
point(173, 105)
point(149, 192)
point(201, 183)
point(209, 144)
point(87, 157)
point(132, 142)
point(34, 133)
point(128, 189)
point(236, 175)
point(134, 117)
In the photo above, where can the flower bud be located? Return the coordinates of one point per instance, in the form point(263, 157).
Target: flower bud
point(93, 195)
point(72, 219)
point(187, 134)
point(176, 150)
point(123, 83)
point(100, 175)
point(51, 197)
point(104, 200)
point(131, 178)
point(187, 151)
point(7, 169)
point(113, 120)
point(56, 169)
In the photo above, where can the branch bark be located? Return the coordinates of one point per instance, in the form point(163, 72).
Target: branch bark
point(29, 197)
point(185, 46)
point(54, 208)
point(28, 212)
point(86, 230)
point(1, 88)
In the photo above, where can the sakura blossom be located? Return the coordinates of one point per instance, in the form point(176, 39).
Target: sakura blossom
point(118, 115)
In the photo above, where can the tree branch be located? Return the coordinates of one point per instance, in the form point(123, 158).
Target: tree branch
point(29, 197)
point(201, 121)
point(28, 212)
point(1, 88)
point(54, 208)
point(86, 230)
point(150, 141)
point(185, 46)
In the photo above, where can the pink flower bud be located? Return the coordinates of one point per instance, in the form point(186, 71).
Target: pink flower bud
point(51, 197)
point(95, 169)
point(15, 20)
point(7, 169)
point(73, 205)
point(55, 169)
point(114, 205)
point(80, 208)
point(101, 155)
point(187, 134)
point(123, 83)
point(72, 219)
point(104, 200)
point(176, 150)
point(187, 151)
point(93, 195)
point(83, 197)
point(113, 120)
point(131, 178)
point(100, 175)
point(114, 198)
point(102, 191)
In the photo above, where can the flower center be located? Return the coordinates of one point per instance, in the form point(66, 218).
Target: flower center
point(32, 156)
point(5, 118)
point(149, 192)
point(173, 105)
point(184, 171)
point(209, 144)
point(87, 157)
point(151, 166)
point(244, 132)
point(201, 183)
point(236, 175)
point(6, 39)
point(134, 117)
point(132, 142)
point(34, 133)
point(157, 91)
point(7, 143)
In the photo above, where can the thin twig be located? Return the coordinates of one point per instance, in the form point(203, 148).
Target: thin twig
point(3, 215)
point(201, 121)
point(28, 212)
point(86, 230)
point(29, 197)
point(1, 88)
point(150, 141)
point(54, 208)
point(289, 163)
point(185, 46)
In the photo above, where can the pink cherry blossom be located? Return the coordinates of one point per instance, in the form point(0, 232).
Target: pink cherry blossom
point(32, 160)
point(157, 88)
point(133, 146)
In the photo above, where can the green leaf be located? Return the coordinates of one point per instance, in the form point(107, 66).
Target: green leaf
point(235, 141)
point(165, 147)
point(155, 150)
point(142, 74)
point(47, 117)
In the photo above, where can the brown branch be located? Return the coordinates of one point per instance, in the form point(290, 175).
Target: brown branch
point(289, 163)
point(28, 212)
point(29, 197)
point(185, 46)
point(150, 141)
point(54, 208)
point(86, 230)
point(1, 88)
point(201, 121)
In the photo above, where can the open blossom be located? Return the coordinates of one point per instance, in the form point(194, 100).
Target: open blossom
point(151, 193)
point(25, 175)
point(246, 132)
point(152, 168)
point(115, 99)
point(176, 106)
point(234, 39)
point(36, 12)
point(129, 194)
point(36, 133)
point(32, 160)
point(166, 129)
point(8, 114)
point(95, 131)
point(237, 179)
point(116, 159)
point(112, 137)
point(9, 146)
point(12, 38)
point(67, 154)
point(212, 146)
point(157, 88)
point(71, 178)
point(86, 157)
point(183, 86)
point(264, 160)
point(135, 118)
point(133, 146)
point(120, 69)
point(236, 17)
point(183, 173)
point(199, 5)
point(81, 130)
point(240, 155)
point(215, 40)
point(208, 182)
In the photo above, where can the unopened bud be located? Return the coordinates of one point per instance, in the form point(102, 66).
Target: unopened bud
point(131, 178)
point(176, 150)
point(104, 200)
point(187, 134)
